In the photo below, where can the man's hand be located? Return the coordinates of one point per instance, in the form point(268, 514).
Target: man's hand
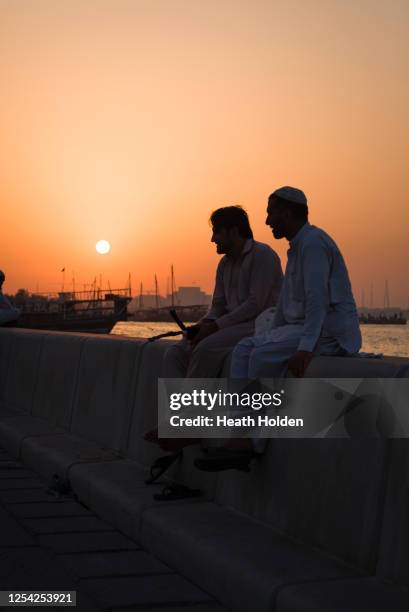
point(206, 329)
point(299, 362)
point(192, 331)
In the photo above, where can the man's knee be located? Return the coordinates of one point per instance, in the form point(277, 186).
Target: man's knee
point(175, 360)
point(244, 346)
point(240, 358)
point(205, 361)
point(271, 363)
point(201, 351)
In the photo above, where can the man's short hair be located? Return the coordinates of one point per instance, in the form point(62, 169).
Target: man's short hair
point(298, 209)
point(232, 216)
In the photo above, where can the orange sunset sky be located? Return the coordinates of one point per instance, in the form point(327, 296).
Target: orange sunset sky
point(131, 120)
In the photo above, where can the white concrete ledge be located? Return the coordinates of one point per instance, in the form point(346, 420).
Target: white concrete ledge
point(311, 511)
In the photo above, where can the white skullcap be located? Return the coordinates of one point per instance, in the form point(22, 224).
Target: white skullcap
point(292, 194)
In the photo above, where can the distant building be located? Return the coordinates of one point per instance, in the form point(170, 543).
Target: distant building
point(184, 296)
point(146, 300)
point(191, 296)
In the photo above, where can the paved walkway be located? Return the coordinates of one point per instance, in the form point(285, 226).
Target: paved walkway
point(56, 544)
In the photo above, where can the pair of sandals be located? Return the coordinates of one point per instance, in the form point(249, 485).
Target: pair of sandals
point(217, 460)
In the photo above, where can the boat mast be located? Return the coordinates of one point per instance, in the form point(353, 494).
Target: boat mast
point(386, 302)
point(156, 292)
point(172, 284)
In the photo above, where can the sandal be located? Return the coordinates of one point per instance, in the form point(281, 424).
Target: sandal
point(161, 465)
point(175, 491)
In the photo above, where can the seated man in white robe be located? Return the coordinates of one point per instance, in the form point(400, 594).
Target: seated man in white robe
point(316, 312)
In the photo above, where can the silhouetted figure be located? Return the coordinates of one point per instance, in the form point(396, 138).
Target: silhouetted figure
point(8, 313)
point(248, 281)
point(316, 313)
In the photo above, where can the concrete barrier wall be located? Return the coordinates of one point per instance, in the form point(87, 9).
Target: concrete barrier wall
point(103, 389)
point(144, 415)
point(22, 369)
point(58, 372)
point(6, 337)
point(81, 405)
point(104, 396)
point(393, 562)
point(325, 493)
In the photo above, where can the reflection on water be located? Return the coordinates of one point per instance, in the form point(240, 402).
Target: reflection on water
point(143, 329)
point(386, 339)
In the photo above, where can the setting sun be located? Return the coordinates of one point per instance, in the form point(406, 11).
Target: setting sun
point(103, 247)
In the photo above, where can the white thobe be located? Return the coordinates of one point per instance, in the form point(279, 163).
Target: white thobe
point(316, 310)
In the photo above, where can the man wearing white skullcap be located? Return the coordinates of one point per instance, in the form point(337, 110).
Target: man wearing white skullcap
point(316, 312)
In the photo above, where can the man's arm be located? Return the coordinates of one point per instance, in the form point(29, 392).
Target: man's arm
point(207, 326)
point(265, 277)
point(279, 314)
point(316, 269)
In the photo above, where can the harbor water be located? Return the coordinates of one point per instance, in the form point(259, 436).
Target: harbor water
point(392, 340)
